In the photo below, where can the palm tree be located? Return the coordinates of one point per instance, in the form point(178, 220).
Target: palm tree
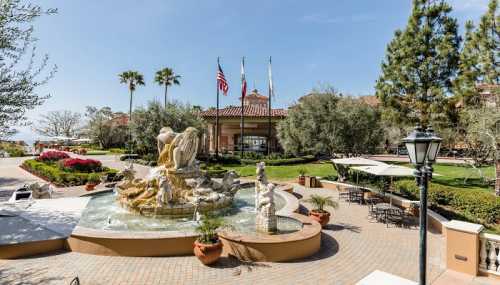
point(132, 79)
point(167, 77)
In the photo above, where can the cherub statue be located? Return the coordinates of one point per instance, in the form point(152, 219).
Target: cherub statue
point(266, 197)
point(41, 192)
point(128, 173)
point(164, 194)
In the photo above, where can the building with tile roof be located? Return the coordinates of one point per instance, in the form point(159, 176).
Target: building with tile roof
point(256, 126)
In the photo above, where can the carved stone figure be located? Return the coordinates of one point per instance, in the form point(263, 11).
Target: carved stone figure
point(164, 195)
point(176, 187)
point(40, 192)
point(266, 220)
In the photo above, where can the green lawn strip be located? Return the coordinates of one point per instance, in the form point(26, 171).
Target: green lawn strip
point(51, 172)
point(97, 152)
point(454, 175)
point(285, 172)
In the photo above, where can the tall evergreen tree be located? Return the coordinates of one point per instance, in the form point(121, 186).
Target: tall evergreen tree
point(420, 63)
point(480, 56)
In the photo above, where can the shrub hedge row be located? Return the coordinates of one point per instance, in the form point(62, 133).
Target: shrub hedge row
point(281, 161)
point(54, 174)
point(226, 159)
point(475, 205)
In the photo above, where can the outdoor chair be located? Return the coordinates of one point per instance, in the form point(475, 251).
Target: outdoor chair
point(372, 212)
point(344, 194)
point(355, 195)
point(395, 216)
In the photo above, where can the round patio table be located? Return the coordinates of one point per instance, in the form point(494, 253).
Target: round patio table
point(384, 208)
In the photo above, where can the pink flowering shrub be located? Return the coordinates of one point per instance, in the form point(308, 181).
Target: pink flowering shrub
point(50, 156)
point(81, 165)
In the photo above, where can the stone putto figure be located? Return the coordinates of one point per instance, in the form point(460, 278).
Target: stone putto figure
point(266, 220)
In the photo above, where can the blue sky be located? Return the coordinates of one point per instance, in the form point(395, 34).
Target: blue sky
point(313, 43)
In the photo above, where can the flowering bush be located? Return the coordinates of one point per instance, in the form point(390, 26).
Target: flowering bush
point(50, 156)
point(81, 165)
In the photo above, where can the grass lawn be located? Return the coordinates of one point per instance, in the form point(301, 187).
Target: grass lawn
point(286, 172)
point(452, 175)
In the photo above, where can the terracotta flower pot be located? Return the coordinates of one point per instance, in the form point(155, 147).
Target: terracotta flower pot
point(321, 217)
point(208, 253)
point(302, 180)
point(90, 186)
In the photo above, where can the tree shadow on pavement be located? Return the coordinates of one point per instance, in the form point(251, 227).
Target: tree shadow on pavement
point(27, 276)
point(341, 227)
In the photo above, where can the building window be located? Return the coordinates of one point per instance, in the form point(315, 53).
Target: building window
point(252, 143)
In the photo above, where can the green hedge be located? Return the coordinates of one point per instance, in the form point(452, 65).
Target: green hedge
point(12, 149)
point(54, 174)
point(97, 152)
point(474, 205)
point(273, 160)
point(281, 161)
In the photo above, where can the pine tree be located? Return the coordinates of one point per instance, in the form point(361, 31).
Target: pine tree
point(420, 63)
point(480, 56)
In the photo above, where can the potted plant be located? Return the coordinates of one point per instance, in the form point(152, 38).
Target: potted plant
point(302, 176)
point(92, 181)
point(318, 213)
point(208, 246)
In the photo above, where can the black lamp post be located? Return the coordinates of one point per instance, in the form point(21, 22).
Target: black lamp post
point(423, 147)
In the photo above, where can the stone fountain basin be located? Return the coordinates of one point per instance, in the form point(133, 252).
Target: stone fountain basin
point(254, 247)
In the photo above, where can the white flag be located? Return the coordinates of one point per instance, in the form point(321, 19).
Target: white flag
point(271, 87)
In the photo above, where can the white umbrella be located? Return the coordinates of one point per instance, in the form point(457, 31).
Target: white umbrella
point(357, 161)
point(82, 140)
point(62, 138)
point(386, 170)
point(347, 162)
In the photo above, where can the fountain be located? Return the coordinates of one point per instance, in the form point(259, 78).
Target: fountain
point(176, 187)
point(157, 215)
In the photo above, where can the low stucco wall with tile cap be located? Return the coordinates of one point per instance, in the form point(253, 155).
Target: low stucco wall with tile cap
point(462, 246)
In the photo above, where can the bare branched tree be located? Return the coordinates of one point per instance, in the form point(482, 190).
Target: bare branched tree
point(20, 71)
point(59, 123)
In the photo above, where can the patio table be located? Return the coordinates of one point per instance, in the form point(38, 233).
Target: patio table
point(356, 194)
point(384, 209)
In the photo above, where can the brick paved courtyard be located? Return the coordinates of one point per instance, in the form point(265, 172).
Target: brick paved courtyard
point(352, 247)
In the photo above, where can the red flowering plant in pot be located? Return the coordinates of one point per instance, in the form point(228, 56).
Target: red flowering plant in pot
point(51, 156)
point(318, 212)
point(208, 246)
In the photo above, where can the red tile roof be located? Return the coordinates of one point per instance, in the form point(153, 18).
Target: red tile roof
point(250, 111)
point(373, 101)
point(255, 95)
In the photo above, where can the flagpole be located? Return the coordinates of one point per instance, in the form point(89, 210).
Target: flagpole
point(217, 117)
point(269, 112)
point(242, 123)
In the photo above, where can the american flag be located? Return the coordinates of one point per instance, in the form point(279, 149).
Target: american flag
point(221, 81)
